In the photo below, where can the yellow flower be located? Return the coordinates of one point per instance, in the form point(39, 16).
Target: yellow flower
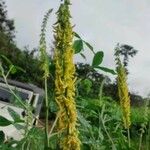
point(123, 93)
point(65, 79)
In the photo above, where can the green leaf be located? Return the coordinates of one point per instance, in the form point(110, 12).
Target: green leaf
point(105, 69)
point(6, 59)
point(13, 69)
point(98, 58)
point(77, 35)
point(4, 122)
point(83, 56)
point(83, 121)
point(18, 126)
point(2, 137)
point(89, 46)
point(20, 69)
point(14, 115)
point(78, 46)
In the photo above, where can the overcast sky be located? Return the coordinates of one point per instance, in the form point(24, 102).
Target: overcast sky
point(103, 23)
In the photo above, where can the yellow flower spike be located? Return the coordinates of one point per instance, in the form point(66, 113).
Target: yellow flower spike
point(123, 93)
point(65, 79)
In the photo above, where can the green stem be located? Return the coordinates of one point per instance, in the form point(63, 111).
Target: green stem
point(140, 142)
point(104, 127)
point(46, 113)
point(148, 138)
point(129, 141)
point(108, 135)
point(54, 124)
point(13, 93)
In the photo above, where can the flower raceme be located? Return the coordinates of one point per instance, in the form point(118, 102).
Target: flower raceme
point(123, 92)
point(65, 79)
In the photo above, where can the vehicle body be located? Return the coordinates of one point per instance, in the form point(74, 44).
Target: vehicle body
point(27, 92)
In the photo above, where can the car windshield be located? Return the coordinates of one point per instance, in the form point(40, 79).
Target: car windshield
point(6, 96)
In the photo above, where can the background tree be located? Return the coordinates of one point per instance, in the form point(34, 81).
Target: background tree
point(90, 81)
point(7, 33)
point(24, 58)
point(126, 51)
point(6, 25)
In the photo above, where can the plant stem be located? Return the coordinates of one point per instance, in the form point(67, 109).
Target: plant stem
point(54, 124)
point(46, 114)
point(129, 141)
point(140, 142)
point(13, 93)
point(103, 124)
point(148, 138)
point(108, 135)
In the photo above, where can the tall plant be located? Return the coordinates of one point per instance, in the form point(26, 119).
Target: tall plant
point(65, 79)
point(123, 92)
point(45, 69)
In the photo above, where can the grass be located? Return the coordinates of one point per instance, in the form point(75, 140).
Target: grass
point(138, 115)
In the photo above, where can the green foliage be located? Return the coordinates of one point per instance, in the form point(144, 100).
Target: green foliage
point(88, 78)
point(84, 87)
point(89, 46)
point(6, 24)
point(2, 137)
point(16, 119)
point(82, 42)
point(98, 58)
point(99, 120)
point(7, 66)
point(105, 69)
point(15, 116)
point(78, 46)
point(99, 116)
point(126, 51)
point(85, 71)
point(26, 63)
point(4, 122)
point(45, 61)
point(137, 115)
point(34, 140)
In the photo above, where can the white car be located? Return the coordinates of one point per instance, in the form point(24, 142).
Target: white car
point(27, 92)
point(10, 131)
